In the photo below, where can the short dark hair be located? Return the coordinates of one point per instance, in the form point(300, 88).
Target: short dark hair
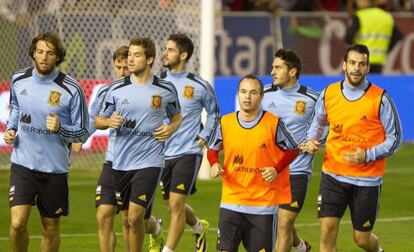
point(147, 43)
point(363, 49)
point(252, 77)
point(291, 59)
point(120, 53)
point(184, 44)
point(52, 38)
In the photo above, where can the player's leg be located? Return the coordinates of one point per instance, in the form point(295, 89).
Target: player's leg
point(333, 200)
point(259, 232)
point(50, 234)
point(136, 226)
point(125, 228)
point(287, 236)
point(364, 209)
point(105, 215)
point(176, 205)
point(106, 209)
point(19, 237)
point(21, 197)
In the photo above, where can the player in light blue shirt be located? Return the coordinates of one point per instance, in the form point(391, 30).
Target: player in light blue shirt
point(48, 114)
point(294, 103)
point(339, 191)
point(105, 195)
point(135, 107)
point(183, 151)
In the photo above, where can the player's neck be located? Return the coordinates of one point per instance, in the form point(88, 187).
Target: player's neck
point(249, 116)
point(178, 69)
point(142, 77)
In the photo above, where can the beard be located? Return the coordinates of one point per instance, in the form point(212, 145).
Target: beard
point(170, 64)
point(355, 79)
point(44, 70)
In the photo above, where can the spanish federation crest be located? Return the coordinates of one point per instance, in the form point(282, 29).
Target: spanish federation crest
point(156, 102)
point(54, 98)
point(300, 107)
point(188, 92)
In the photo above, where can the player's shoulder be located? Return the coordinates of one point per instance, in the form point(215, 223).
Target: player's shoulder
point(118, 84)
point(308, 92)
point(269, 89)
point(22, 74)
point(163, 84)
point(197, 80)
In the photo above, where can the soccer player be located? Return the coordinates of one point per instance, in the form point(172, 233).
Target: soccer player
point(48, 113)
point(183, 151)
point(294, 104)
point(364, 129)
point(134, 107)
point(257, 151)
point(105, 194)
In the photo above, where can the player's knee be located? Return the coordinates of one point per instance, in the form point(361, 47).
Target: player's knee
point(176, 206)
point(285, 224)
point(18, 226)
point(125, 223)
point(362, 240)
point(135, 219)
point(50, 230)
point(103, 217)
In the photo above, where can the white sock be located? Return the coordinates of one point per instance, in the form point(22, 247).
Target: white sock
point(301, 247)
point(165, 249)
point(157, 230)
point(198, 227)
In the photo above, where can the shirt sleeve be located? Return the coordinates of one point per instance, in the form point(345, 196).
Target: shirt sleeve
point(318, 130)
point(216, 139)
point(209, 102)
point(107, 105)
point(94, 111)
point(173, 106)
point(284, 139)
point(13, 122)
point(78, 130)
point(393, 134)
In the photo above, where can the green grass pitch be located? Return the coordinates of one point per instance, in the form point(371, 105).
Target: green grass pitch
point(395, 223)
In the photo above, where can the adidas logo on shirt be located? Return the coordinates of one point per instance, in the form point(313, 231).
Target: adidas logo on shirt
point(125, 101)
point(272, 105)
point(23, 92)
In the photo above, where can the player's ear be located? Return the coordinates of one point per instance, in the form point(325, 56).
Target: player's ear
point(183, 56)
point(150, 60)
point(293, 71)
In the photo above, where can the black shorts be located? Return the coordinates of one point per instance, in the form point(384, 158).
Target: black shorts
point(299, 187)
point(49, 191)
point(180, 175)
point(136, 186)
point(105, 191)
point(363, 201)
point(256, 232)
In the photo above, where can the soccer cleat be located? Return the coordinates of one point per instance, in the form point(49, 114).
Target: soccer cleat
point(156, 243)
point(308, 246)
point(201, 239)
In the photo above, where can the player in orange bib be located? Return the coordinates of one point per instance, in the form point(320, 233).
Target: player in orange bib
point(364, 129)
point(257, 151)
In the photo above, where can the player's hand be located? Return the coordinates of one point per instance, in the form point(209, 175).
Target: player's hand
point(163, 132)
point(357, 157)
point(9, 136)
point(76, 147)
point(52, 122)
point(216, 170)
point(269, 174)
point(115, 121)
point(201, 143)
point(311, 146)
